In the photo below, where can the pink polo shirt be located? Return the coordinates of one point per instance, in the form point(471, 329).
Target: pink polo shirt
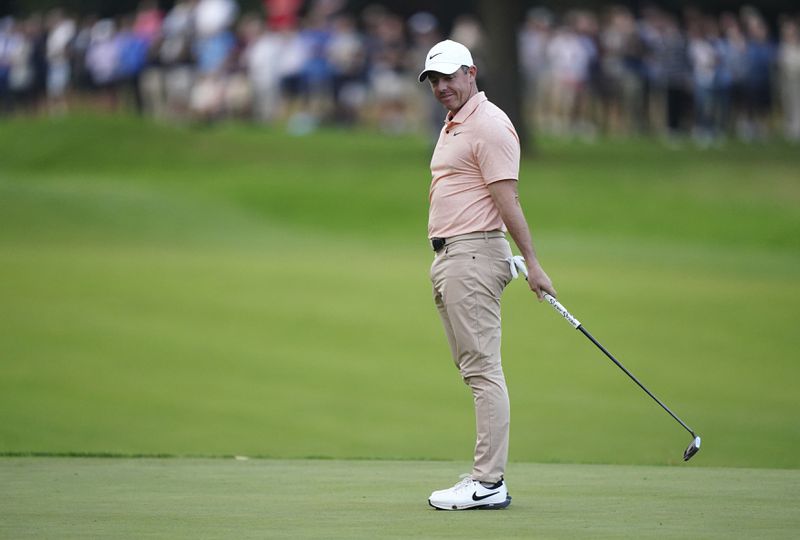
point(476, 147)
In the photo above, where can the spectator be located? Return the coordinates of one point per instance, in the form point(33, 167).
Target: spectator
point(175, 72)
point(59, 51)
point(347, 56)
point(213, 49)
point(6, 43)
point(214, 40)
point(38, 35)
point(570, 56)
point(721, 92)
point(295, 54)
point(648, 29)
point(237, 90)
point(534, 39)
point(102, 57)
point(468, 31)
point(317, 73)
point(260, 58)
point(282, 15)
point(673, 74)
point(622, 71)
point(424, 33)
point(789, 64)
point(703, 60)
point(81, 79)
point(147, 28)
point(389, 77)
point(132, 56)
point(149, 19)
point(734, 62)
point(21, 63)
point(758, 82)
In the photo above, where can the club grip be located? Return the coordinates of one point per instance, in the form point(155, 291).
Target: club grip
point(562, 310)
point(518, 264)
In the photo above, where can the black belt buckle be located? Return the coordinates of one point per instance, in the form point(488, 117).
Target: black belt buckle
point(437, 243)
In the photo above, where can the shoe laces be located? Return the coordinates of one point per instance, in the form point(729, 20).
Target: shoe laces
point(465, 482)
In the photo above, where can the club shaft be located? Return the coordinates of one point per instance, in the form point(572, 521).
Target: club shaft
point(629, 374)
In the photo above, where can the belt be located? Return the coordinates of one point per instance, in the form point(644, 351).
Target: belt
point(438, 243)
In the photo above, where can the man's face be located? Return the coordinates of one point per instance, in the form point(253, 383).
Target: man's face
point(454, 90)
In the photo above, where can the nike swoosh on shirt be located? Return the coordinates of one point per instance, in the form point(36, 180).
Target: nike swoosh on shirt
point(431, 56)
point(476, 498)
point(457, 133)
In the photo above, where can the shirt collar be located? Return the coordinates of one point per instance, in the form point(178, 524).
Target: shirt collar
point(466, 110)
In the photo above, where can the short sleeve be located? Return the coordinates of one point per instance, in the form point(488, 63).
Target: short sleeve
point(497, 150)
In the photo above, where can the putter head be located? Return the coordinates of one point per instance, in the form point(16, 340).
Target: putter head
point(692, 449)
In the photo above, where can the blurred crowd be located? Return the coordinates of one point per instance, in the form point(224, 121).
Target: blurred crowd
point(711, 76)
point(306, 63)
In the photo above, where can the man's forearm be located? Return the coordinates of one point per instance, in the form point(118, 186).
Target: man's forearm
point(504, 194)
point(518, 229)
point(506, 199)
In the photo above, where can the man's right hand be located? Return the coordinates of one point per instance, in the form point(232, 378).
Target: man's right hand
point(538, 280)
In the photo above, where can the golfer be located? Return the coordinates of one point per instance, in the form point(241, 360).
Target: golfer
point(473, 203)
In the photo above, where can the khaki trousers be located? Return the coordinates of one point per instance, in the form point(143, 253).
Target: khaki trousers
point(468, 277)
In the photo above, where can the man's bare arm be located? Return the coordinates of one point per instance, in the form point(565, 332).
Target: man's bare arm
point(506, 198)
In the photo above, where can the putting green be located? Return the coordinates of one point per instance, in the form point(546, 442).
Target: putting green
point(201, 498)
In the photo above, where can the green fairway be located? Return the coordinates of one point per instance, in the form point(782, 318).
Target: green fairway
point(234, 291)
point(189, 498)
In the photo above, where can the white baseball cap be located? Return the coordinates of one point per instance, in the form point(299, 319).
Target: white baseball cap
point(446, 57)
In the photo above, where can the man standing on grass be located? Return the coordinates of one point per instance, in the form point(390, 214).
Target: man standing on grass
point(473, 202)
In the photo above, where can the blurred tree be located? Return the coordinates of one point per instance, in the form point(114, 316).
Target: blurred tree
point(501, 22)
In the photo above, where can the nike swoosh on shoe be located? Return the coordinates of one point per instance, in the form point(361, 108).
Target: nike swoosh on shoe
point(476, 498)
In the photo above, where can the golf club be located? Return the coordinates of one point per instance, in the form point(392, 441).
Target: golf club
point(519, 263)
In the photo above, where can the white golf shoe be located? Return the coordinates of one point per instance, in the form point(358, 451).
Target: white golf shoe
point(469, 493)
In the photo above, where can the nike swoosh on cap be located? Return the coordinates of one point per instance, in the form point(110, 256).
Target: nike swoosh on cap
point(476, 498)
point(431, 56)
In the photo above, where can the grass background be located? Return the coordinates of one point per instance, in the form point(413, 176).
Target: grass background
point(232, 291)
point(169, 291)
